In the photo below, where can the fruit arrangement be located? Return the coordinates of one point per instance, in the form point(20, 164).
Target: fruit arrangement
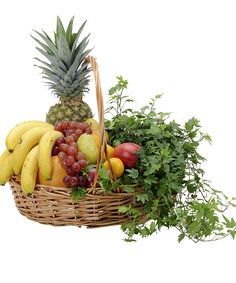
point(136, 168)
point(62, 155)
point(68, 142)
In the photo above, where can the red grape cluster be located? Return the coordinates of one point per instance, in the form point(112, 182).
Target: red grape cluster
point(73, 128)
point(66, 148)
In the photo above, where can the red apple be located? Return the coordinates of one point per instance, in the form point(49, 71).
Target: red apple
point(126, 152)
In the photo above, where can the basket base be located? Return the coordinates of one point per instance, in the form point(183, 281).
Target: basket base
point(54, 206)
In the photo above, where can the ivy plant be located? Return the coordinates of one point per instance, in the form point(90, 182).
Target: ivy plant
point(174, 191)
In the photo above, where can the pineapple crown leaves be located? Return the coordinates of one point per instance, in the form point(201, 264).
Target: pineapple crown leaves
point(66, 71)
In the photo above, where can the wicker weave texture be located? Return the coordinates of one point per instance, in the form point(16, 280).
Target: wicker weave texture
point(54, 206)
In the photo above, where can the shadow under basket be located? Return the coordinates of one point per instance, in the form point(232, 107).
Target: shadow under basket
point(55, 206)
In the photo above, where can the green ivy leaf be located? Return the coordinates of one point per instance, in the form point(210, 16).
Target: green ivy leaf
point(133, 173)
point(190, 124)
point(116, 184)
point(229, 223)
point(128, 189)
point(143, 197)
point(77, 193)
point(233, 234)
point(181, 237)
point(124, 209)
point(105, 180)
point(144, 232)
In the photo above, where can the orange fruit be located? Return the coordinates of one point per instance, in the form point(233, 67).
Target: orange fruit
point(117, 166)
point(110, 149)
point(58, 173)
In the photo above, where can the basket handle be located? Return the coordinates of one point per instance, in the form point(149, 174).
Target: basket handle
point(102, 148)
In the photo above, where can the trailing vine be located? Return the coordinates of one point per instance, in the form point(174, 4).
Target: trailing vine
point(175, 192)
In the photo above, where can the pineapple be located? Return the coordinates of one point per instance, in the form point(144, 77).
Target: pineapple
point(66, 71)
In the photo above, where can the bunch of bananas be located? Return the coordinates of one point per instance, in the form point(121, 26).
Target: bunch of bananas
point(28, 149)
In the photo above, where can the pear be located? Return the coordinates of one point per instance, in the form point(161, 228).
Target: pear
point(88, 146)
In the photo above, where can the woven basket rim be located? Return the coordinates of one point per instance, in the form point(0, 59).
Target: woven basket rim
point(98, 192)
point(55, 206)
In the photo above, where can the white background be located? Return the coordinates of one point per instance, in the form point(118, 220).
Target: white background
point(184, 49)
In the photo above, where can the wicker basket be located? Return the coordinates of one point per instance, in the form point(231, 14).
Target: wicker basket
point(54, 205)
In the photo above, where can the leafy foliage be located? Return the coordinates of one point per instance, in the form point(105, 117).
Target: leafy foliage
point(77, 193)
point(65, 70)
point(118, 99)
point(175, 192)
point(108, 185)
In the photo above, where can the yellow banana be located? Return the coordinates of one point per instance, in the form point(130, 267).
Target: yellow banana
point(45, 152)
point(16, 133)
point(29, 139)
point(30, 170)
point(6, 170)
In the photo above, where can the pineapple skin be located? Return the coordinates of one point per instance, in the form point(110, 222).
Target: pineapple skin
point(70, 112)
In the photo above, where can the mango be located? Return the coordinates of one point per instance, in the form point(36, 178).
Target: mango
point(95, 127)
point(97, 132)
point(88, 146)
point(93, 124)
